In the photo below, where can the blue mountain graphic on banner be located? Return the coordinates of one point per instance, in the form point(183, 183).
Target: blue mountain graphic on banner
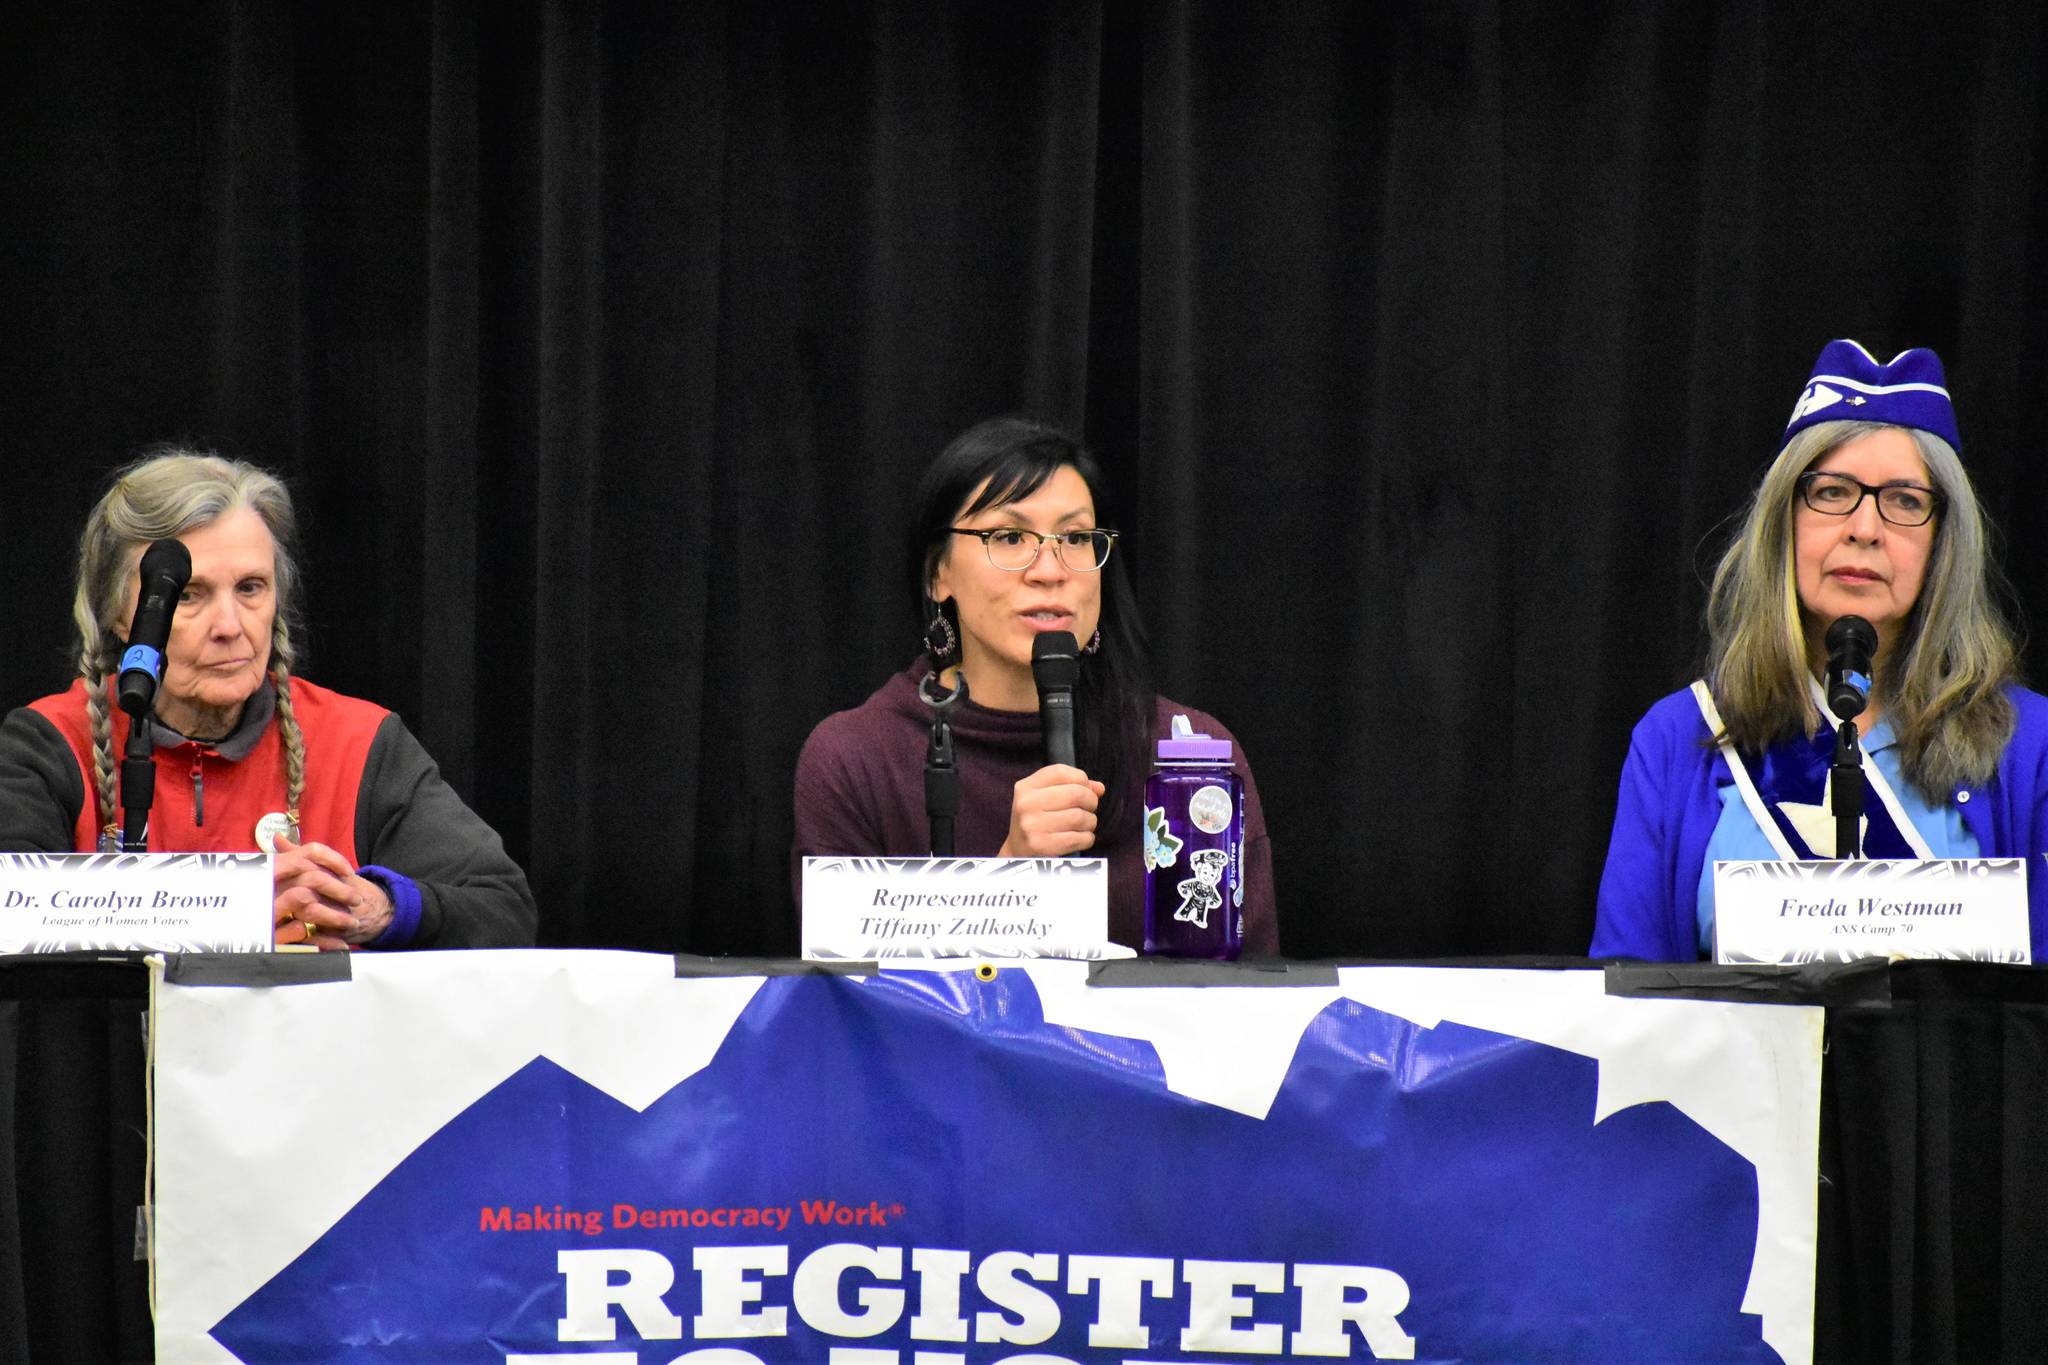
point(933, 1110)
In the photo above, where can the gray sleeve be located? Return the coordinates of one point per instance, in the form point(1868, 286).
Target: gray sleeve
point(408, 819)
point(41, 790)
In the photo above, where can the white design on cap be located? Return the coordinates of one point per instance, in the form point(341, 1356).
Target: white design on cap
point(1816, 397)
point(1862, 387)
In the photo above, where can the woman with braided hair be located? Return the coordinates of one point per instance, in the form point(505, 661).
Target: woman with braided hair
point(373, 848)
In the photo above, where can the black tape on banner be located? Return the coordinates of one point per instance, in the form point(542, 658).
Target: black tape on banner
point(1863, 982)
point(257, 969)
point(689, 966)
point(1125, 972)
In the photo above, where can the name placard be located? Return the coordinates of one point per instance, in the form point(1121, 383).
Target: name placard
point(863, 909)
point(1835, 911)
point(170, 902)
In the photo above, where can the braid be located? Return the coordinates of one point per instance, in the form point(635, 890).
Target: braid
point(98, 687)
point(288, 722)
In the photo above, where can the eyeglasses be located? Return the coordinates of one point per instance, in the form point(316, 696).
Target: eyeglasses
point(1838, 495)
point(1016, 549)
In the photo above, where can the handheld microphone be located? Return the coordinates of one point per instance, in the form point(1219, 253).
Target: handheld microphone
point(165, 570)
point(1055, 668)
point(1851, 644)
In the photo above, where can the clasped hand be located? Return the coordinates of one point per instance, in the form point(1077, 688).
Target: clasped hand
point(1052, 813)
point(318, 898)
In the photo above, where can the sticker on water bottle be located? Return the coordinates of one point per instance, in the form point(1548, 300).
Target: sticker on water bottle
point(1199, 894)
point(1209, 809)
point(1162, 846)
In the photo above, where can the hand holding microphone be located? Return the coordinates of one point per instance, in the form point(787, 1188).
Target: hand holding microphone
point(1052, 812)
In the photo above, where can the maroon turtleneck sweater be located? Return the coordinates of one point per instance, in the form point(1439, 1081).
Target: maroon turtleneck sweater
point(860, 790)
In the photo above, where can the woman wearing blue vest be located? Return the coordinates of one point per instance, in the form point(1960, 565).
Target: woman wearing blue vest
point(1867, 512)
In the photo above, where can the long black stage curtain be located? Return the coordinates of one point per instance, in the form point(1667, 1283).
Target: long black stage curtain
point(74, 1132)
point(1429, 346)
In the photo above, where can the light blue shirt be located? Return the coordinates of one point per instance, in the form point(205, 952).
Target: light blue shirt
point(1738, 838)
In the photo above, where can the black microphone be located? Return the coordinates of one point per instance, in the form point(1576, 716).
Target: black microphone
point(1852, 645)
point(1055, 668)
point(166, 569)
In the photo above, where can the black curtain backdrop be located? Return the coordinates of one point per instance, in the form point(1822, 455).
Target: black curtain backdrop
point(1429, 346)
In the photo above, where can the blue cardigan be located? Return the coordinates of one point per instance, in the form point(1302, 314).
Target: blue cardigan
point(1670, 801)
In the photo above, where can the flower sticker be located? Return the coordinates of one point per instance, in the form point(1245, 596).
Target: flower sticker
point(1162, 849)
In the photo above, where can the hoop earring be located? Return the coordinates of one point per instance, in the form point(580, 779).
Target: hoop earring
point(941, 641)
point(1094, 645)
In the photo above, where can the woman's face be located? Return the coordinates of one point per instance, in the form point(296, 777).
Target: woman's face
point(219, 650)
point(1001, 610)
point(1861, 564)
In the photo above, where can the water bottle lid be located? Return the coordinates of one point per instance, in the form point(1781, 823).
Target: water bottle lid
point(1184, 743)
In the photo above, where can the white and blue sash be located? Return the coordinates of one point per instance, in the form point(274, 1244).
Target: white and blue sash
point(1786, 790)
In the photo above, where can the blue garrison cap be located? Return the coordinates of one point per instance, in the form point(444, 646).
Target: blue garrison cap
point(1848, 385)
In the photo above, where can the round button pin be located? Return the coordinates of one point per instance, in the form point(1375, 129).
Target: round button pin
point(269, 827)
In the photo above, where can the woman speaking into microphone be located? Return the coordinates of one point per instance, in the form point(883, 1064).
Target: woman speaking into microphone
point(1009, 544)
point(1866, 512)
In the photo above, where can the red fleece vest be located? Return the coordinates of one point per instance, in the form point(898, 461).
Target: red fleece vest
point(209, 804)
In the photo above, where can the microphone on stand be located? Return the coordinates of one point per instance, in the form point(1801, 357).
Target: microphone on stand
point(1055, 668)
point(165, 570)
point(1851, 645)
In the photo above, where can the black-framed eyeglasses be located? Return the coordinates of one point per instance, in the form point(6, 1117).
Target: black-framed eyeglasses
point(1016, 549)
point(1838, 495)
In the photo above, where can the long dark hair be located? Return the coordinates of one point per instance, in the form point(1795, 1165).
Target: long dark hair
point(1008, 458)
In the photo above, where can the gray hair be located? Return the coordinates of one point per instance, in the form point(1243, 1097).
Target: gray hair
point(168, 492)
point(1943, 688)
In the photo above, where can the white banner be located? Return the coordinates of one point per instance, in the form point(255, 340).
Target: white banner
point(500, 1156)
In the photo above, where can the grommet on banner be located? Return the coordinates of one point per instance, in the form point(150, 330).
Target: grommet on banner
point(986, 971)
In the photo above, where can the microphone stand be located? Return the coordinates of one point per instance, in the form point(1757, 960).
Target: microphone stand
point(138, 785)
point(1845, 792)
point(1845, 775)
point(941, 770)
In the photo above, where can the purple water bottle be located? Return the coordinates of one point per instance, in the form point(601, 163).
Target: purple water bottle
point(1194, 848)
